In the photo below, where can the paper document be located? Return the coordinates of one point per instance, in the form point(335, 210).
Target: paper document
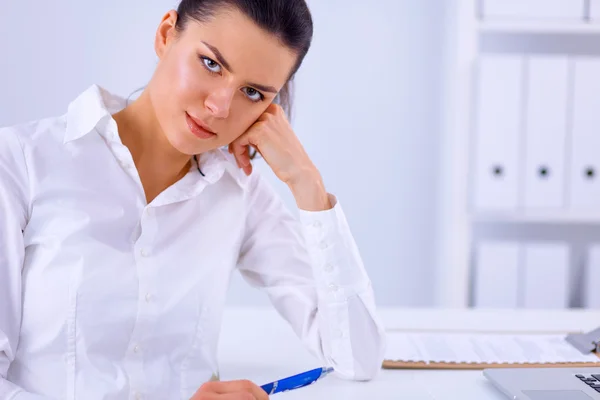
point(482, 348)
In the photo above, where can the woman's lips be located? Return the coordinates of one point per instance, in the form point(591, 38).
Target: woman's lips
point(198, 128)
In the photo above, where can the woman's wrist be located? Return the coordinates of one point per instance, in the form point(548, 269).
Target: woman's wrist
point(310, 193)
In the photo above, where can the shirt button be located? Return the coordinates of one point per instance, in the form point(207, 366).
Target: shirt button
point(144, 252)
point(136, 349)
point(328, 267)
point(148, 297)
point(317, 225)
point(323, 245)
point(333, 288)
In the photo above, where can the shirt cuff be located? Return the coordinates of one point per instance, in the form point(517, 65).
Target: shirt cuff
point(337, 265)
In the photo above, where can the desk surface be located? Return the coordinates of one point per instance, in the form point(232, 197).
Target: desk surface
point(257, 344)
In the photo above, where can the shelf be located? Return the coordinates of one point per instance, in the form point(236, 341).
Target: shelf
point(537, 27)
point(540, 217)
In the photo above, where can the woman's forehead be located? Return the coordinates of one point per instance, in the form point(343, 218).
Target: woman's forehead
point(247, 48)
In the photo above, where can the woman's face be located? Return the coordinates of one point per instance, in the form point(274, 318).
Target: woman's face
point(215, 79)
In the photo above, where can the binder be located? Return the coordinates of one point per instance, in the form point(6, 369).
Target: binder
point(591, 297)
point(546, 276)
point(497, 132)
point(546, 112)
point(594, 12)
point(496, 275)
point(561, 10)
point(584, 169)
point(585, 344)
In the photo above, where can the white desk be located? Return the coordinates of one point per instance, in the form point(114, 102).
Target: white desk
point(258, 345)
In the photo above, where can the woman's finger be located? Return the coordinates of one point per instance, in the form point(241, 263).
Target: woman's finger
point(237, 387)
point(236, 396)
point(243, 159)
point(226, 396)
point(242, 156)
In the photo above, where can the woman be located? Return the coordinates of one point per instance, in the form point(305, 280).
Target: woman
point(121, 224)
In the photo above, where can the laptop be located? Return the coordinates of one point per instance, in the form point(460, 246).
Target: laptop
point(546, 383)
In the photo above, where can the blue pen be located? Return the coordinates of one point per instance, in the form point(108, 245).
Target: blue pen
point(296, 381)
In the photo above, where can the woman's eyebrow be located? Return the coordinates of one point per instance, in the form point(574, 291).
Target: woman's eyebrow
point(225, 64)
point(219, 56)
point(263, 88)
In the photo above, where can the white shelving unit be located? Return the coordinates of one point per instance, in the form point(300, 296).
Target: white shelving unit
point(537, 27)
point(457, 220)
point(538, 217)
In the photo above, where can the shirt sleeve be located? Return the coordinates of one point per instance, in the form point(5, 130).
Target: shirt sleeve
point(312, 271)
point(14, 206)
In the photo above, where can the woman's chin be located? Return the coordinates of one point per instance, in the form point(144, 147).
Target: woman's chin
point(189, 145)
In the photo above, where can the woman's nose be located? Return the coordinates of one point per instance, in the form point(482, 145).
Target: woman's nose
point(219, 101)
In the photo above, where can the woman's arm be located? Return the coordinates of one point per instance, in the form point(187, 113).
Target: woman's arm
point(14, 204)
point(313, 273)
point(311, 270)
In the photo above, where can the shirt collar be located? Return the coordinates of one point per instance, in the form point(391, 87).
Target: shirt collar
point(215, 163)
point(89, 109)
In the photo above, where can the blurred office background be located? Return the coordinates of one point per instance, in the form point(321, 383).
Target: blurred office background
point(416, 112)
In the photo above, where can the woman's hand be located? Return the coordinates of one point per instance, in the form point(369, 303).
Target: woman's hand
point(276, 141)
point(233, 390)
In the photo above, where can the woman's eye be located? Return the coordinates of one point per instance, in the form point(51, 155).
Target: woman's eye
point(212, 65)
point(253, 94)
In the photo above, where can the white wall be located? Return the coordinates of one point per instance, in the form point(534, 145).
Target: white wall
point(367, 108)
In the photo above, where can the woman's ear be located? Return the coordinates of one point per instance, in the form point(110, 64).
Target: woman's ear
point(165, 33)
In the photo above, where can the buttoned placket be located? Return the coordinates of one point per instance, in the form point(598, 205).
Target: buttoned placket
point(144, 239)
point(146, 268)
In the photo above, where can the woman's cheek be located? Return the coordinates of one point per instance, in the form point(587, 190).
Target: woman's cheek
point(190, 82)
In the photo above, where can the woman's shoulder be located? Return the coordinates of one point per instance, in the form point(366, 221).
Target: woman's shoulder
point(82, 112)
point(30, 132)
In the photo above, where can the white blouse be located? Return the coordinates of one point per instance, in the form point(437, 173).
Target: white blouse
point(103, 296)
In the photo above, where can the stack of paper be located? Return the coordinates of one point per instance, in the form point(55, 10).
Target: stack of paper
point(483, 348)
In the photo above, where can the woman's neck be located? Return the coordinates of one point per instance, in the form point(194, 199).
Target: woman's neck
point(158, 163)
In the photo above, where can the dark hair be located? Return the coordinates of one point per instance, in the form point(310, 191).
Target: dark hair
point(289, 20)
